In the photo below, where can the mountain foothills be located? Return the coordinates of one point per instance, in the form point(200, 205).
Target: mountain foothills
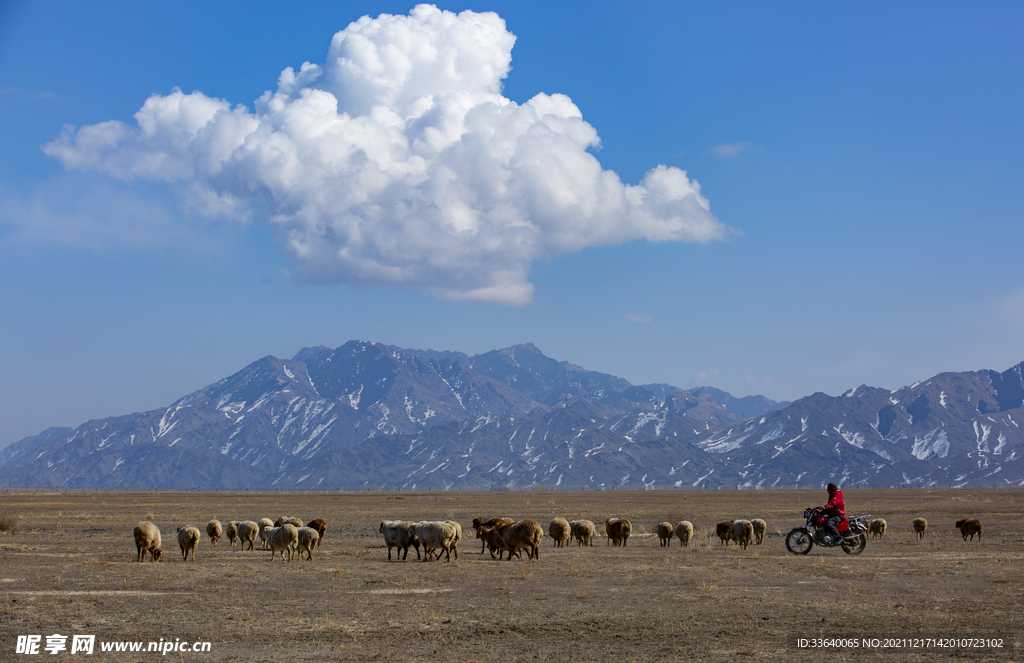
point(369, 415)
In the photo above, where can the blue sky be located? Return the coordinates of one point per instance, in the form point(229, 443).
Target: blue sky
point(862, 166)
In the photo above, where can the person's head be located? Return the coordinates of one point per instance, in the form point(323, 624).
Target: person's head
point(831, 488)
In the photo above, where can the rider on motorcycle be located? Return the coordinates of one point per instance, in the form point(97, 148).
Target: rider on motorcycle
point(834, 512)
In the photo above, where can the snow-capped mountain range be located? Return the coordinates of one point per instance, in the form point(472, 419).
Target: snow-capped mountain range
point(366, 414)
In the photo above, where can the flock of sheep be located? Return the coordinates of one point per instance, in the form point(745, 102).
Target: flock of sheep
point(288, 535)
point(285, 535)
point(969, 527)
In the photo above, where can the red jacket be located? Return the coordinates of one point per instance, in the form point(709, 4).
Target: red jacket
point(835, 506)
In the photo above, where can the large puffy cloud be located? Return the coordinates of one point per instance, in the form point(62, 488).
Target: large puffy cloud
point(398, 161)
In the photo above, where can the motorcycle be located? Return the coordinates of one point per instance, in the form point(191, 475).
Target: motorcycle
point(853, 534)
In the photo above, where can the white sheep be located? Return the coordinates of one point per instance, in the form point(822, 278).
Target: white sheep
point(684, 530)
point(188, 540)
point(437, 536)
point(247, 533)
point(290, 520)
point(214, 530)
point(399, 534)
point(261, 527)
point(920, 526)
point(283, 539)
point(760, 528)
point(308, 538)
point(742, 532)
point(559, 531)
point(147, 537)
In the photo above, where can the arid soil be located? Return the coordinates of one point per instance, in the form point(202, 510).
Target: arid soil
point(70, 569)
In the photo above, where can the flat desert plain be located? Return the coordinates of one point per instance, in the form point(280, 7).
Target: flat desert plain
point(70, 569)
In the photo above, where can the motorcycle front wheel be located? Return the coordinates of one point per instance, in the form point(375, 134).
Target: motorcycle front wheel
point(856, 546)
point(799, 541)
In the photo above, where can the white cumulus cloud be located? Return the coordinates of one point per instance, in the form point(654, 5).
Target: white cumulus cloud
point(398, 161)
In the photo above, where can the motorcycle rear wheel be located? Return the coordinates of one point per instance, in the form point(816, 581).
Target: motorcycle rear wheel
point(857, 546)
point(799, 541)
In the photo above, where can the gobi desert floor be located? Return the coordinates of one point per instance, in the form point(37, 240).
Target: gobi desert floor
point(70, 569)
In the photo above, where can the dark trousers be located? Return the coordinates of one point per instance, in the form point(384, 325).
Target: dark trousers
point(831, 524)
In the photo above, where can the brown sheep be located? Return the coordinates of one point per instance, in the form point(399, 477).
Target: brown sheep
point(559, 532)
point(584, 532)
point(231, 531)
point(665, 533)
point(493, 541)
point(188, 540)
point(290, 520)
point(877, 527)
point(307, 541)
point(320, 525)
point(742, 533)
point(480, 523)
point(214, 531)
point(247, 532)
point(970, 526)
point(618, 531)
point(920, 526)
point(525, 534)
point(147, 537)
point(724, 530)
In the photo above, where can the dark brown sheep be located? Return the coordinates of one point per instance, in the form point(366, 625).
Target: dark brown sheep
point(724, 530)
point(970, 526)
point(320, 525)
point(618, 530)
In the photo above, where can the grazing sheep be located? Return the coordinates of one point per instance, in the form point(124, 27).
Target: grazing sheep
point(437, 536)
point(214, 531)
point(525, 534)
point(231, 531)
point(877, 527)
point(724, 530)
point(320, 525)
point(742, 532)
point(760, 527)
point(247, 532)
point(970, 526)
point(307, 541)
point(147, 537)
point(584, 532)
point(665, 533)
point(290, 520)
point(684, 530)
point(480, 523)
point(399, 534)
point(618, 530)
point(188, 539)
point(920, 526)
point(284, 539)
point(261, 527)
point(559, 531)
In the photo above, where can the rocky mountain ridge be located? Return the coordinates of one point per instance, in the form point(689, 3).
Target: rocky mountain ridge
point(366, 414)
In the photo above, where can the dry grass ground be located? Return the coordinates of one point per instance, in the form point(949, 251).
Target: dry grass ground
point(70, 568)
